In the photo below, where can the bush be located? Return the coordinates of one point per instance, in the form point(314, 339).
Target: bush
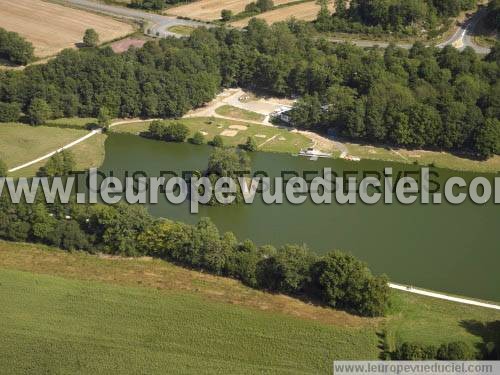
point(9, 112)
point(226, 15)
point(252, 8)
point(250, 145)
point(217, 141)
point(103, 118)
point(91, 38)
point(38, 112)
point(60, 164)
point(157, 129)
point(455, 351)
point(414, 352)
point(14, 48)
point(150, 4)
point(265, 5)
point(197, 139)
point(224, 162)
point(3, 168)
point(176, 132)
point(287, 271)
point(344, 281)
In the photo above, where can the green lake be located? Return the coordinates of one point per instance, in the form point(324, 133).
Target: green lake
point(454, 249)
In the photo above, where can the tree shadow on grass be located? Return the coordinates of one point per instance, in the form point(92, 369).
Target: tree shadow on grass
point(490, 334)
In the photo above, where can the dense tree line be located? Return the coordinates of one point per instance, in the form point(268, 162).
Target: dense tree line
point(452, 351)
point(154, 4)
point(337, 279)
point(163, 79)
point(15, 48)
point(404, 16)
point(422, 97)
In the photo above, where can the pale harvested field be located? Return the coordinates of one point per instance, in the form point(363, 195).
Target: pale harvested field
point(304, 12)
point(209, 10)
point(51, 27)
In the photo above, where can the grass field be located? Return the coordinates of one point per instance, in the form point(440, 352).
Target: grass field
point(52, 27)
point(20, 143)
point(75, 313)
point(270, 139)
point(242, 114)
point(307, 11)
point(181, 29)
point(210, 10)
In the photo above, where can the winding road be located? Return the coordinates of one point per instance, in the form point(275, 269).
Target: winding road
point(157, 25)
point(464, 36)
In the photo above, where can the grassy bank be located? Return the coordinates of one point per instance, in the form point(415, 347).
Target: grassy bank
point(129, 315)
point(20, 143)
point(425, 158)
point(287, 141)
point(269, 139)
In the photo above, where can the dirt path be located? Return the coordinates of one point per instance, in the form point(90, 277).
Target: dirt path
point(72, 144)
point(69, 145)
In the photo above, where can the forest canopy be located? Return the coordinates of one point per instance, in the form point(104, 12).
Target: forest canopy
point(424, 97)
point(405, 16)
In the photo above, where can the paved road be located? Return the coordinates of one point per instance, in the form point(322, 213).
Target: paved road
point(464, 36)
point(155, 25)
point(446, 297)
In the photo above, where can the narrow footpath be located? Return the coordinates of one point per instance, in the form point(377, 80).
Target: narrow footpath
point(72, 144)
point(446, 297)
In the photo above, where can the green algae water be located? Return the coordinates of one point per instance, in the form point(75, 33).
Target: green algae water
point(454, 249)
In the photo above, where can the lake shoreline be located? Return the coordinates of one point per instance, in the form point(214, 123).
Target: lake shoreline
point(382, 153)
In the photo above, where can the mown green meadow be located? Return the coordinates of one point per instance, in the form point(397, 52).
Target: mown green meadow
point(268, 138)
point(79, 313)
point(55, 325)
point(21, 143)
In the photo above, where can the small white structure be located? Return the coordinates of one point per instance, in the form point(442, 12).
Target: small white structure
point(282, 113)
point(313, 153)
